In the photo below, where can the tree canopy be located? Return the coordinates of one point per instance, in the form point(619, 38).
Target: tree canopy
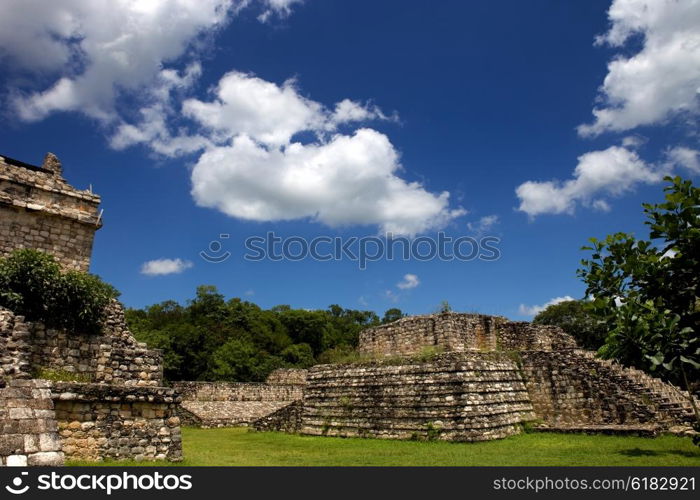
point(211, 338)
point(646, 291)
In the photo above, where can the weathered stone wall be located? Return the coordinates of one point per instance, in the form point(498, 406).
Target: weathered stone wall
point(114, 357)
point(28, 429)
point(97, 422)
point(457, 397)
point(223, 404)
point(287, 376)
point(458, 332)
point(125, 415)
point(574, 388)
point(286, 419)
point(15, 350)
point(40, 210)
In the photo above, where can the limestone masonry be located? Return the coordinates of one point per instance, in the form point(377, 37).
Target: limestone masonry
point(493, 376)
point(110, 402)
point(225, 404)
point(449, 376)
point(39, 209)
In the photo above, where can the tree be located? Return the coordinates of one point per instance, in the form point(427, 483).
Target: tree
point(444, 307)
point(214, 339)
point(392, 315)
point(646, 291)
point(577, 320)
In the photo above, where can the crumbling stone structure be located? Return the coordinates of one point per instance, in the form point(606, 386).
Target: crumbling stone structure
point(110, 401)
point(493, 376)
point(29, 432)
point(227, 404)
point(39, 209)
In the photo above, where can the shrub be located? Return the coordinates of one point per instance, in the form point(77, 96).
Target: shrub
point(33, 285)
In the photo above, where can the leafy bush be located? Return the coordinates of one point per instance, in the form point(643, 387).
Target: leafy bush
point(33, 285)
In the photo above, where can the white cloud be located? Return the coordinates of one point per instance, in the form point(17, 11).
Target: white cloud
point(249, 293)
point(101, 47)
point(409, 281)
point(259, 173)
point(281, 8)
point(253, 166)
point(269, 113)
point(483, 225)
point(153, 130)
point(161, 267)
point(662, 79)
point(345, 181)
point(633, 141)
point(610, 172)
point(534, 310)
point(685, 157)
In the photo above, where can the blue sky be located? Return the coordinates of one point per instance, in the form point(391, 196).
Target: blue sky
point(546, 122)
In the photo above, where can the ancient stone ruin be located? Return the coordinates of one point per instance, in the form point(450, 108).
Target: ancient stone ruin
point(112, 402)
point(227, 404)
point(39, 209)
point(471, 377)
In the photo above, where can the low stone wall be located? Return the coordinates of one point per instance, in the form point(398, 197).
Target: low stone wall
point(286, 419)
point(223, 404)
point(28, 425)
point(456, 397)
point(97, 422)
point(287, 376)
point(459, 332)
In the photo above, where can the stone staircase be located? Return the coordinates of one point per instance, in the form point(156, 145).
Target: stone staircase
point(670, 402)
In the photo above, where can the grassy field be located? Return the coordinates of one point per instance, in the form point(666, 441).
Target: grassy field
point(238, 446)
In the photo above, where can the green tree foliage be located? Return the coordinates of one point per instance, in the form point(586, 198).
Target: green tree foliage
point(392, 315)
point(211, 338)
point(646, 291)
point(577, 320)
point(32, 284)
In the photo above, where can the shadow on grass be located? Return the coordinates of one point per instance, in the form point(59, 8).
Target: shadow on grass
point(639, 452)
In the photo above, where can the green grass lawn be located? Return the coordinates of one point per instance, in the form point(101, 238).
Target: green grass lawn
point(238, 446)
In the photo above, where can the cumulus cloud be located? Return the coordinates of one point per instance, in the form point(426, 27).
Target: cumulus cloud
point(269, 113)
point(160, 267)
point(153, 129)
point(268, 152)
point(534, 310)
point(101, 47)
point(685, 157)
point(409, 281)
point(261, 173)
point(609, 172)
point(659, 81)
